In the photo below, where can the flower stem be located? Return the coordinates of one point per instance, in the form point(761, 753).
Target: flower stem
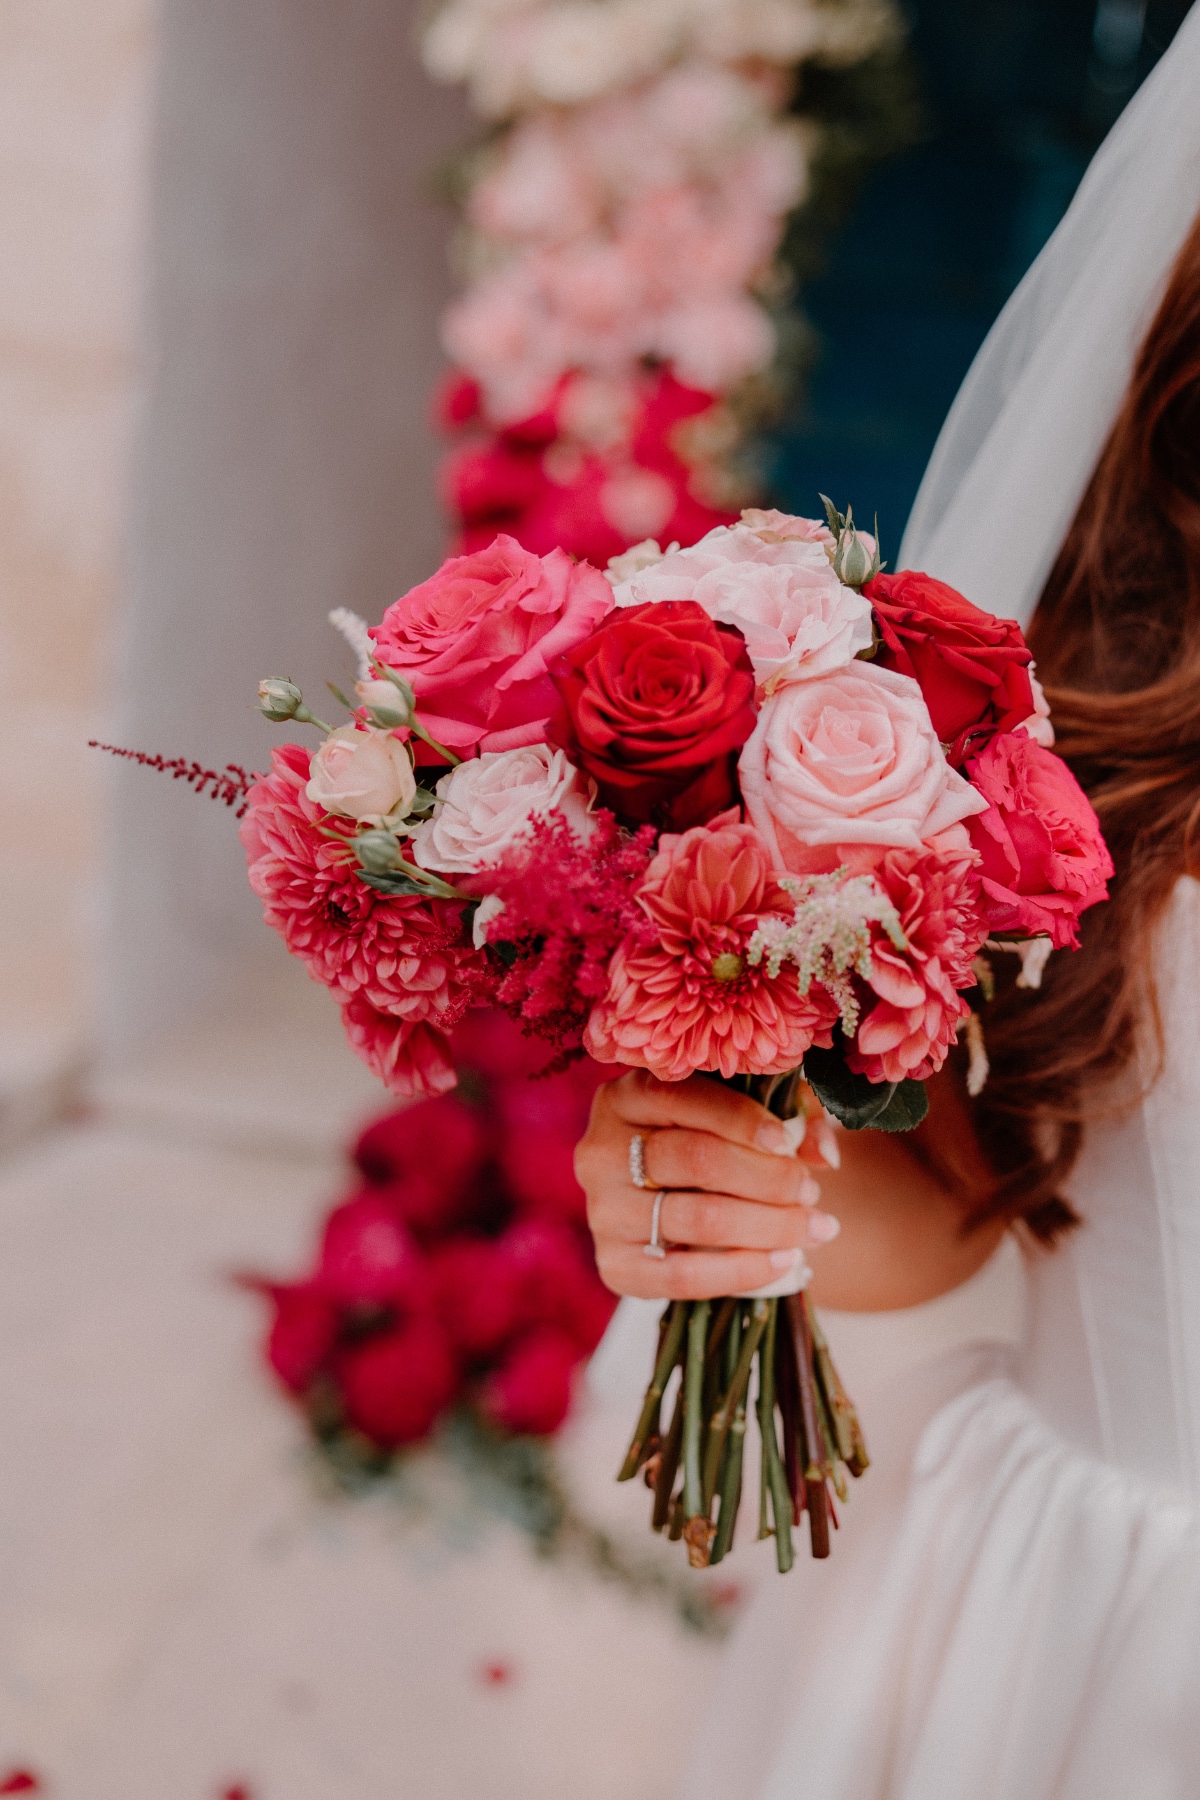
point(441, 749)
point(722, 1418)
point(693, 1429)
point(773, 1476)
point(648, 1424)
point(668, 1467)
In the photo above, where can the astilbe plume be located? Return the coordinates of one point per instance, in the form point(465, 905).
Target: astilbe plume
point(567, 904)
point(232, 784)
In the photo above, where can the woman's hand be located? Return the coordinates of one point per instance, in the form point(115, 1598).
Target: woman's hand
point(738, 1201)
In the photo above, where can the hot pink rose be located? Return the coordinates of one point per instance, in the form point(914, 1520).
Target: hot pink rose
point(395, 1384)
point(477, 638)
point(908, 1032)
point(686, 997)
point(1044, 859)
point(530, 1391)
point(846, 766)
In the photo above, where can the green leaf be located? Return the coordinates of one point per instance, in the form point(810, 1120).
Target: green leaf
point(393, 881)
point(858, 1103)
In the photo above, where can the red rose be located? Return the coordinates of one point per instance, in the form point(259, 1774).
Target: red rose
point(654, 706)
point(973, 668)
point(531, 1389)
point(302, 1334)
point(395, 1385)
point(367, 1256)
point(1044, 860)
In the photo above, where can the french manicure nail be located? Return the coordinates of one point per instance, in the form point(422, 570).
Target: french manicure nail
point(823, 1227)
point(810, 1191)
point(830, 1149)
point(772, 1136)
point(785, 1259)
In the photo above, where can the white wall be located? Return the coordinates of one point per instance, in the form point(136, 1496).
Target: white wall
point(296, 266)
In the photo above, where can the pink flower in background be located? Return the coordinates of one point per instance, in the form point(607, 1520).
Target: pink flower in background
point(1043, 857)
point(302, 1335)
point(429, 1160)
point(412, 1060)
point(476, 640)
point(907, 1033)
point(686, 998)
point(846, 766)
point(401, 956)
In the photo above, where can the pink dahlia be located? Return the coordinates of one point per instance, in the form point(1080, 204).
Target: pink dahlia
point(406, 957)
point(908, 1032)
point(685, 997)
point(411, 1057)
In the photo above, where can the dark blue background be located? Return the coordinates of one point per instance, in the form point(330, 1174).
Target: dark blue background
point(1016, 95)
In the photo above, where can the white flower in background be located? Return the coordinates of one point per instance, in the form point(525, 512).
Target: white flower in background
point(486, 805)
point(361, 775)
point(514, 54)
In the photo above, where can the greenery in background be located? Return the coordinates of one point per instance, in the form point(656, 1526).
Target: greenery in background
point(472, 1476)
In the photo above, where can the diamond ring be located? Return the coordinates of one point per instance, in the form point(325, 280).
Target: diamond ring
point(637, 1160)
point(655, 1247)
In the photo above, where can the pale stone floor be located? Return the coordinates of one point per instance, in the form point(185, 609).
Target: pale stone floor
point(179, 1610)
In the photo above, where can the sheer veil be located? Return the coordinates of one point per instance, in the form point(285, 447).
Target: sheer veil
point(1115, 1356)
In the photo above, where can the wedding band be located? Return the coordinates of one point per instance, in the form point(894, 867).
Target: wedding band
point(637, 1160)
point(654, 1247)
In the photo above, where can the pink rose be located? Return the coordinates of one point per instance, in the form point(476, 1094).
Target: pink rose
point(486, 805)
point(849, 761)
point(775, 585)
point(1044, 860)
point(477, 638)
point(361, 774)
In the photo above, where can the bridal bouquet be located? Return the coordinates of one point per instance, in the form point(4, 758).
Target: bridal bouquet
point(753, 809)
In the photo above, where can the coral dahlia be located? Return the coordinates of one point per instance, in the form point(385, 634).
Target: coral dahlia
point(908, 1032)
point(689, 998)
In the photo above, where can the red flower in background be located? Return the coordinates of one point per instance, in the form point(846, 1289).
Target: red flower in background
point(463, 1269)
point(973, 669)
point(394, 1385)
point(554, 480)
point(654, 707)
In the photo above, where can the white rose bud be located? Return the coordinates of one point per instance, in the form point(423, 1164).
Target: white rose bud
point(388, 704)
point(279, 699)
point(362, 775)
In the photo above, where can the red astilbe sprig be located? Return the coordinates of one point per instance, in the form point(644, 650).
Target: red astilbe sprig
point(567, 905)
point(231, 784)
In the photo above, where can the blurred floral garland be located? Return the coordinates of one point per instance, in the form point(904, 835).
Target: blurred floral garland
point(654, 175)
point(436, 1341)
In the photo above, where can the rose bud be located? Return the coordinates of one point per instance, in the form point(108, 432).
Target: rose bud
point(279, 699)
point(389, 703)
point(853, 563)
point(362, 775)
point(377, 850)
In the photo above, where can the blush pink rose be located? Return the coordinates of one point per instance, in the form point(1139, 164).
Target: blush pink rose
point(362, 774)
point(907, 1033)
point(477, 638)
point(685, 996)
point(1044, 859)
point(849, 763)
point(487, 804)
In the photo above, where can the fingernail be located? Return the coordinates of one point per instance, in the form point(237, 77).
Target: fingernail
point(810, 1191)
point(823, 1227)
point(772, 1136)
point(830, 1149)
point(786, 1259)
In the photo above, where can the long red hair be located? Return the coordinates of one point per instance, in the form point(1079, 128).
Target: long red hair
point(1116, 637)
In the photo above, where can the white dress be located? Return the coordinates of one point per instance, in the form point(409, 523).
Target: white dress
point(1012, 1607)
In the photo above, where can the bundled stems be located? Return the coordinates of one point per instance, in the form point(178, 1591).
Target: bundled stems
point(809, 1433)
